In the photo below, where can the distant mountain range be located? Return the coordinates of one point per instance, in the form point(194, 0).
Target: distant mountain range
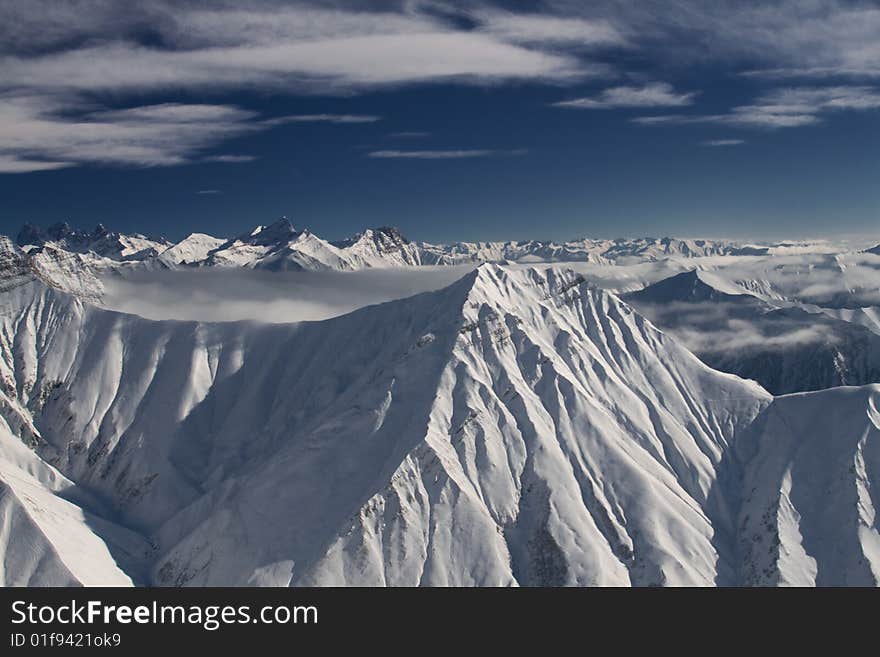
point(281, 246)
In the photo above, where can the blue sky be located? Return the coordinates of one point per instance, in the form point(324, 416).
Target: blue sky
point(449, 120)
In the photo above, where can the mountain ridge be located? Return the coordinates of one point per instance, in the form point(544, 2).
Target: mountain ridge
point(281, 246)
point(518, 427)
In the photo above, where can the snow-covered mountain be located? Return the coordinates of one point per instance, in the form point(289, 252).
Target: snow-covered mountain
point(786, 349)
point(518, 427)
point(48, 535)
point(585, 250)
point(808, 515)
point(508, 429)
point(281, 246)
point(383, 247)
point(61, 270)
point(868, 317)
point(192, 249)
point(100, 242)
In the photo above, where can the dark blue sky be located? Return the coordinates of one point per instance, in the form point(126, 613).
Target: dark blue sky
point(494, 158)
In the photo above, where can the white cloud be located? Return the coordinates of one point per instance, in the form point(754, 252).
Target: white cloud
point(814, 99)
point(91, 49)
point(815, 72)
point(242, 294)
point(290, 49)
point(14, 164)
point(722, 142)
point(545, 29)
point(785, 37)
point(322, 118)
point(783, 108)
point(442, 154)
point(230, 158)
point(655, 94)
point(59, 61)
point(741, 334)
point(209, 191)
point(36, 135)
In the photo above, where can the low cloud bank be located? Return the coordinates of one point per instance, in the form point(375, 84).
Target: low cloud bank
point(218, 295)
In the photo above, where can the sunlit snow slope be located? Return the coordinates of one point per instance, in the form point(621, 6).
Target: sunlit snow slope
point(812, 490)
point(518, 427)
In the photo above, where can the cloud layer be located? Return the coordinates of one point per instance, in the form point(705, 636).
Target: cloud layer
point(60, 60)
point(66, 65)
point(789, 107)
point(36, 135)
point(656, 94)
point(443, 154)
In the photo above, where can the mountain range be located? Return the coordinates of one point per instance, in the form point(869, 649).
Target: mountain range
point(521, 426)
point(281, 246)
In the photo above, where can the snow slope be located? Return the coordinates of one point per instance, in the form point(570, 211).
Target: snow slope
point(384, 247)
point(46, 537)
point(559, 436)
point(192, 249)
point(56, 268)
point(501, 431)
point(868, 317)
point(518, 427)
point(812, 476)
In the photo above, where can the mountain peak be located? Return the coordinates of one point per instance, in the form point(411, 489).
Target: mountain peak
point(60, 230)
point(281, 231)
point(31, 234)
point(391, 232)
point(690, 286)
point(14, 270)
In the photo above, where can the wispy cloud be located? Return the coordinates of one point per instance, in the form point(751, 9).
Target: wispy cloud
point(15, 164)
point(544, 29)
point(655, 94)
point(789, 38)
point(61, 61)
point(208, 191)
point(814, 72)
point(230, 159)
point(722, 142)
point(443, 154)
point(39, 133)
point(783, 108)
point(409, 135)
point(322, 118)
point(281, 48)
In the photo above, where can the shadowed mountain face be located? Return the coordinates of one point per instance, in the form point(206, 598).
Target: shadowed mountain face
point(785, 349)
point(101, 241)
point(518, 427)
